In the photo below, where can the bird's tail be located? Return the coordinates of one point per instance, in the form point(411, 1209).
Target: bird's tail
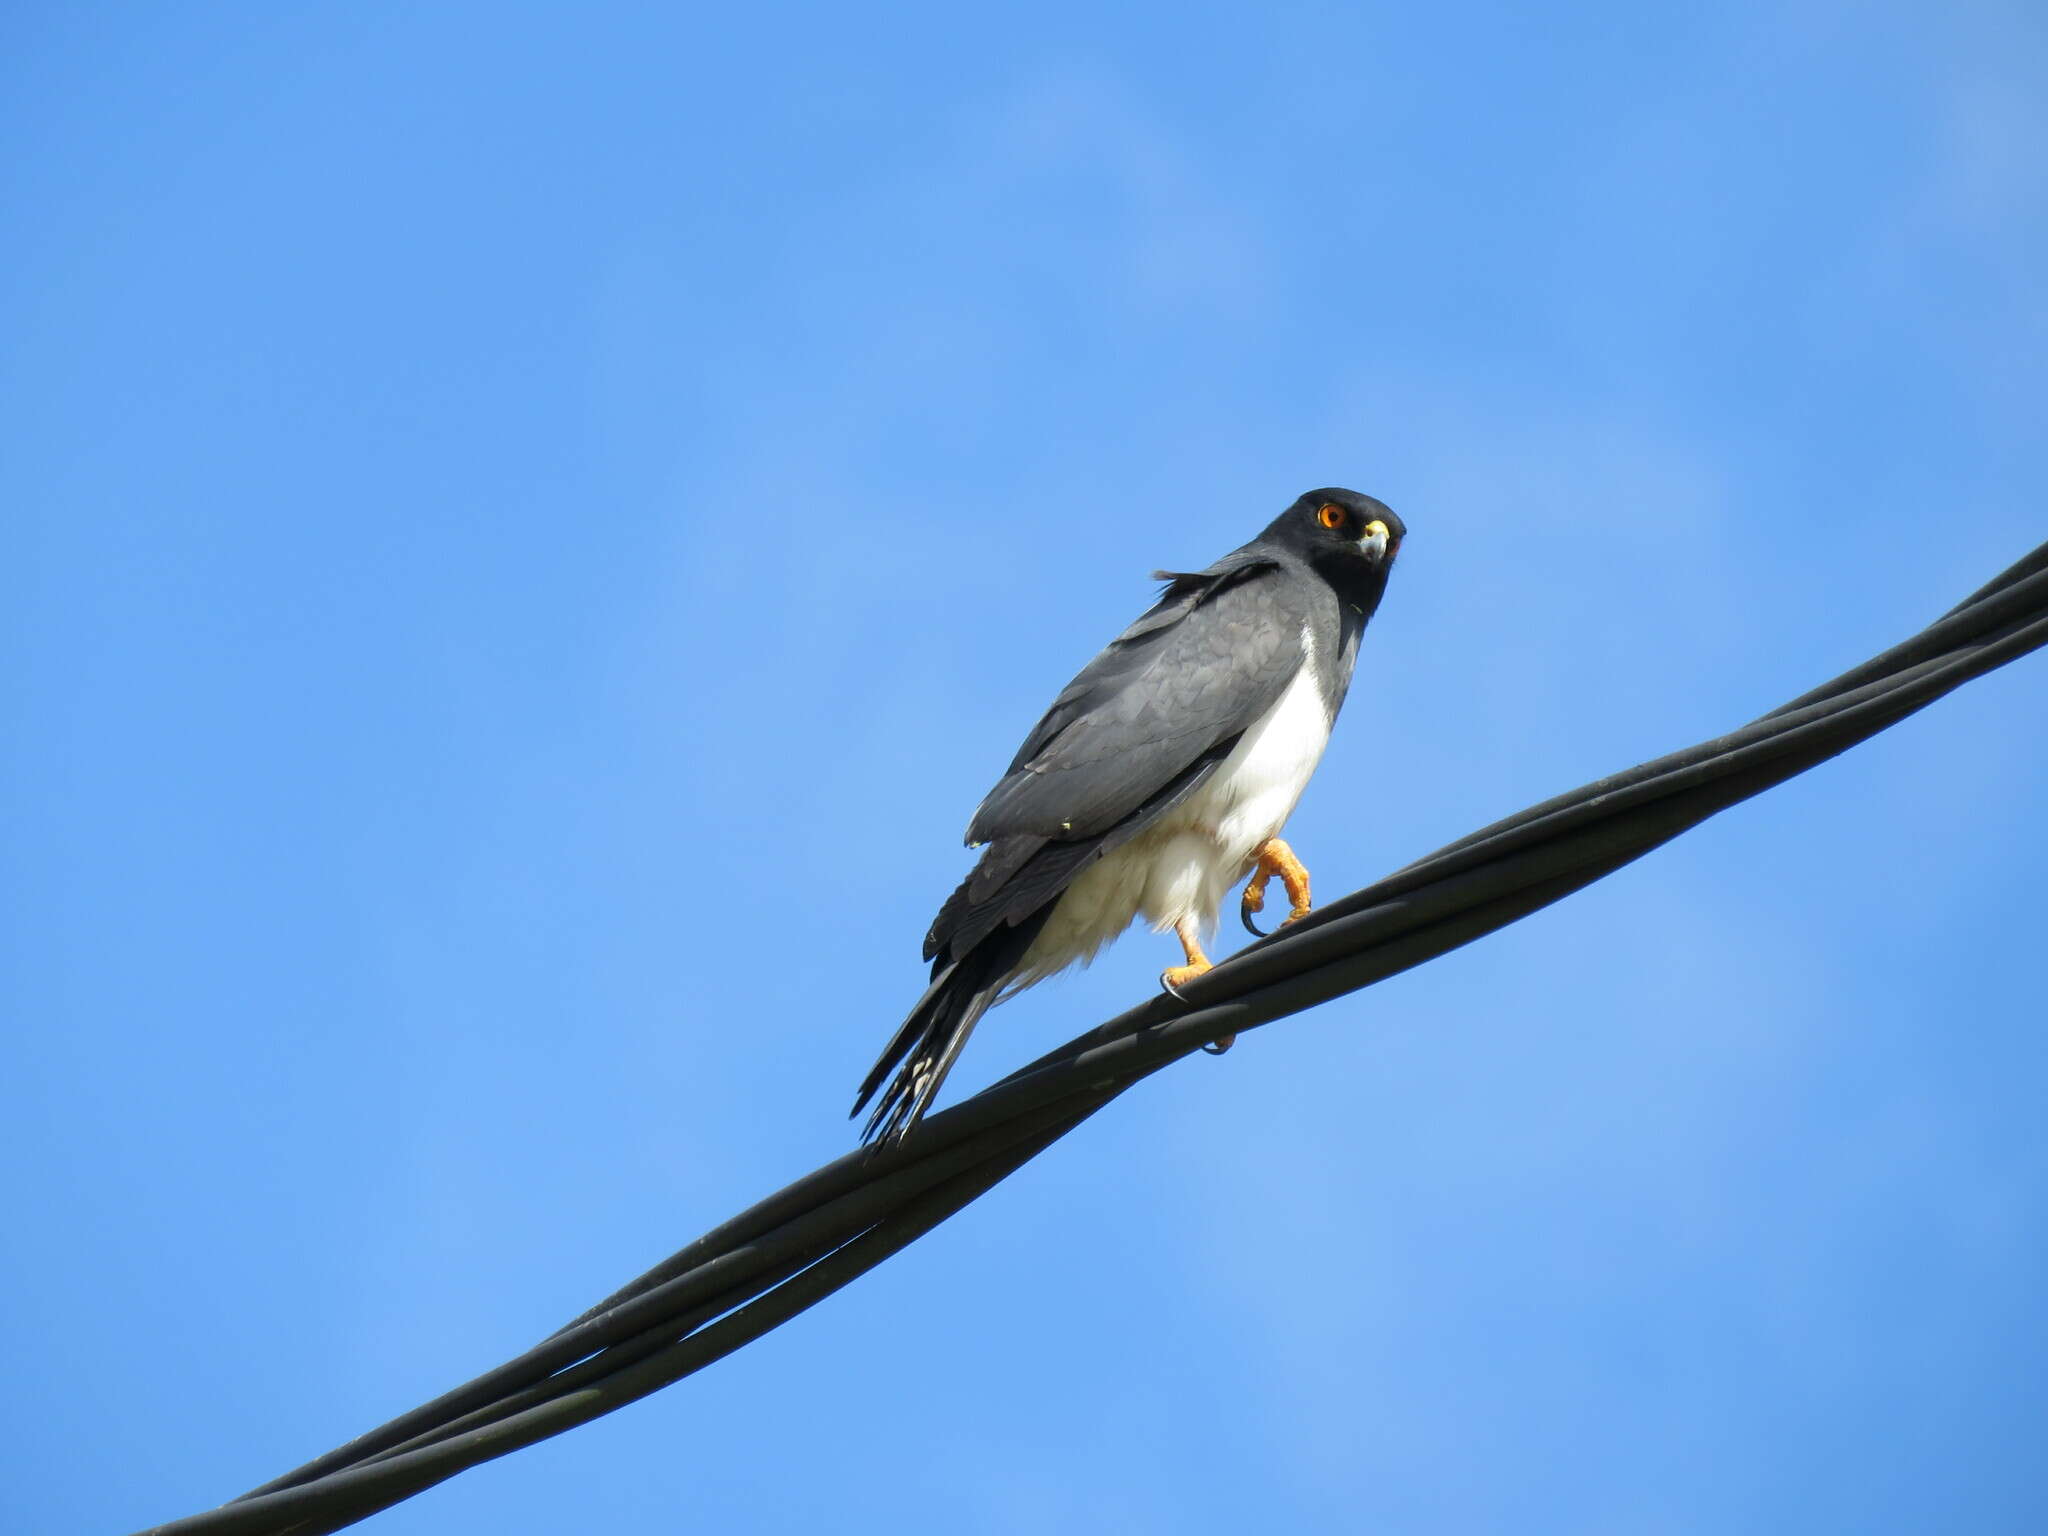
point(923, 1050)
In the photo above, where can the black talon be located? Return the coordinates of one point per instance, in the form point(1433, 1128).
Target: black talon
point(1244, 915)
point(1218, 1047)
point(1170, 989)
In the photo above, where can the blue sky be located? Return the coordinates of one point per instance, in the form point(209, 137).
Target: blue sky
point(528, 530)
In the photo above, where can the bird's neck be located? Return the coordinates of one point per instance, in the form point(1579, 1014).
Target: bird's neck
point(1359, 588)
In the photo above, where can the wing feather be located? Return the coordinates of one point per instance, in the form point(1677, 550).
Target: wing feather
point(1200, 667)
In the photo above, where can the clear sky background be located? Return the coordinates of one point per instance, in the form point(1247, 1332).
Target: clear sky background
point(525, 531)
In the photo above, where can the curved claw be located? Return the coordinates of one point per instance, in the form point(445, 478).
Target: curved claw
point(1166, 985)
point(1274, 858)
point(1253, 899)
point(1218, 1047)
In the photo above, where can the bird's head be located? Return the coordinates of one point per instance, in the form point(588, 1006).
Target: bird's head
point(1333, 527)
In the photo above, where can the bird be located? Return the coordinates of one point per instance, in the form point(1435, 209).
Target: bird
point(1160, 777)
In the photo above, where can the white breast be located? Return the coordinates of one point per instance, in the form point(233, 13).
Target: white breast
point(1184, 864)
point(1251, 796)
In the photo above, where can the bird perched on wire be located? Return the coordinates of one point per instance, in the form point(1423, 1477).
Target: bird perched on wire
point(1159, 778)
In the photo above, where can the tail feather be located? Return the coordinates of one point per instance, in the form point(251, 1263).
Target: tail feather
point(924, 1048)
point(945, 1028)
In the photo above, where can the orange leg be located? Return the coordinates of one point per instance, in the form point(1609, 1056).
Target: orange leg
point(1175, 976)
point(1191, 945)
point(1275, 858)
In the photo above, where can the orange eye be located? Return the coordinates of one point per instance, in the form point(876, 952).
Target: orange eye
point(1331, 515)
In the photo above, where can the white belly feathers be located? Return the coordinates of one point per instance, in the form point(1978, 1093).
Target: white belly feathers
point(1185, 863)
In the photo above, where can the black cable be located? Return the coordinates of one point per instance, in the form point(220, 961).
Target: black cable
point(804, 1242)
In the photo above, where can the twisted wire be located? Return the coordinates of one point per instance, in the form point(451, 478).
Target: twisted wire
point(799, 1245)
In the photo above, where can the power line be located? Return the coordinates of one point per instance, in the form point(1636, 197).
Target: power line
point(806, 1241)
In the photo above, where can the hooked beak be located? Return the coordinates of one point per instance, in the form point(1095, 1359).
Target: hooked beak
point(1377, 543)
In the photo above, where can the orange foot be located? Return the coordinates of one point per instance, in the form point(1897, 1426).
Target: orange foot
point(1173, 978)
point(1275, 858)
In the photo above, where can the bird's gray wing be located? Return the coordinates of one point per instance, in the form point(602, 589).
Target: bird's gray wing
point(1183, 593)
point(1195, 671)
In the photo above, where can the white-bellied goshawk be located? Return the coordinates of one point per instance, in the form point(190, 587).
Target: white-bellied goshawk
point(1159, 778)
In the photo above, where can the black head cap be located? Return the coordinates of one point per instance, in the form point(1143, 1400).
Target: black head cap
point(1336, 524)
